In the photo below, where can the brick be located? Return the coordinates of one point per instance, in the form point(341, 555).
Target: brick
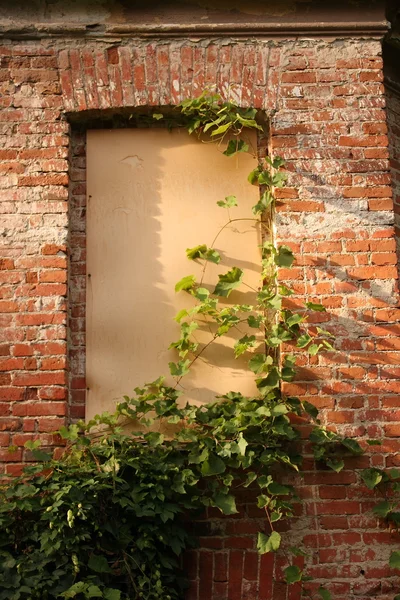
point(235, 575)
point(299, 77)
point(250, 568)
point(40, 409)
point(43, 378)
point(33, 180)
point(386, 204)
point(373, 273)
point(363, 141)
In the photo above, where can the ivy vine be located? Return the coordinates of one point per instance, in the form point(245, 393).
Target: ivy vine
point(109, 518)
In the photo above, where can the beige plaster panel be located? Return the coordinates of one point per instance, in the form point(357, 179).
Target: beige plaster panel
point(152, 194)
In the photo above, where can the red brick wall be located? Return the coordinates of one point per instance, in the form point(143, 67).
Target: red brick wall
point(326, 101)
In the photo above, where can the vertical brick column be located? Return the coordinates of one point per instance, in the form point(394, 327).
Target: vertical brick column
point(34, 194)
point(337, 215)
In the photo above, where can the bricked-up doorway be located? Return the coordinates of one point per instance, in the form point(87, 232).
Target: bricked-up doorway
point(152, 193)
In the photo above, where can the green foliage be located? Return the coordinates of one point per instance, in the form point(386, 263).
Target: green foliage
point(324, 594)
point(100, 523)
point(107, 520)
point(203, 252)
point(394, 560)
point(229, 202)
point(209, 114)
point(293, 574)
point(186, 283)
point(228, 282)
point(269, 543)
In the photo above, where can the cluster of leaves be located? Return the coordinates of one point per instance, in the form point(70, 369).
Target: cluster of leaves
point(102, 522)
point(107, 520)
point(387, 484)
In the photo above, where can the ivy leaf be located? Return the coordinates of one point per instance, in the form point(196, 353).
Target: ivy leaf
point(266, 384)
point(274, 302)
point(297, 551)
point(112, 594)
point(263, 411)
point(158, 116)
point(293, 574)
point(303, 340)
point(242, 444)
point(214, 123)
point(180, 368)
point(69, 433)
point(236, 146)
point(278, 179)
point(382, 509)
point(258, 362)
point(221, 129)
point(196, 252)
point(229, 202)
point(248, 122)
point(276, 163)
point(186, 283)
point(90, 591)
point(266, 199)
point(335, 465)
point(154, 438)
point(293, 319)
point(394, 561)
point(253, 176)
point(275, 516)
point(374, 442)
point(267, 543)
point(213, 256)
point(324, 593)
point(353, 446)
point(202, 294)
point(264, 481)
point(94, 591)
point(284, 258)
point(204, 253)
point(226, 504)
point(228, 282)
point(263, 500)
point(325, 332)
point(313, 349)
point(213, 465)
point(310, 409)
point(250, 478)
point(174, 419)
point(181, 314)
point(371, 478)
point(327, 345)
point(276, 489)
point(99, 564)
point(242, 345)
point(254, 322)
point(279, 409)
point(41, 456)
point(265, 178)
point(316, 307)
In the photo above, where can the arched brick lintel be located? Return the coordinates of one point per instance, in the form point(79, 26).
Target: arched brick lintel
point(158, 74)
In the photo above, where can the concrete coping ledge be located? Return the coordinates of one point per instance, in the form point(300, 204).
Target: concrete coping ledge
point(177, 30)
